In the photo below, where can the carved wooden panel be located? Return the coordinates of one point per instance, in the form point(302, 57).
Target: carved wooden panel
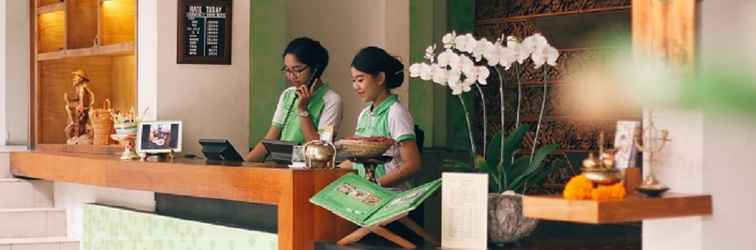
point(576, 134)
point(487, 9)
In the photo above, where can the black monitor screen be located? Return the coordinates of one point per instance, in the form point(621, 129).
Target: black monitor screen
point(219, 150)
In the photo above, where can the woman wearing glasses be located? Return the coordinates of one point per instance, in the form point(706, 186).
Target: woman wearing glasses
point(374, 74)
point(309, 106)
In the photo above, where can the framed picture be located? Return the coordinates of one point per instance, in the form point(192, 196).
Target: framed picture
point(623, 143)
point(204, 32)
point(159, 137)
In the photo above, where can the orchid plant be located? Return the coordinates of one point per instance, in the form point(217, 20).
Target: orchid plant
point(464, 62)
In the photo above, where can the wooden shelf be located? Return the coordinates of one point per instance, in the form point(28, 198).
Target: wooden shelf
point(105, 50)
point(632, 208)
point(51, 8)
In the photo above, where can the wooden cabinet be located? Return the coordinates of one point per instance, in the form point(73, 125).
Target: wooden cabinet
point(98, 36)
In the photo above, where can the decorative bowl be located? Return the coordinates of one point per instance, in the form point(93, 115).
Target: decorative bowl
point(652, 191)
point(602, 176)
point(363, 148)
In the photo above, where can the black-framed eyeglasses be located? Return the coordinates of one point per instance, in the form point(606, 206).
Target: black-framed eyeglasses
point(296, 71)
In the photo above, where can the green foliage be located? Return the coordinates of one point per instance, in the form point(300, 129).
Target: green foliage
point(516, 174)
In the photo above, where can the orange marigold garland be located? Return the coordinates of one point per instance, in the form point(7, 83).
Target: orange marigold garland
point(580, 188)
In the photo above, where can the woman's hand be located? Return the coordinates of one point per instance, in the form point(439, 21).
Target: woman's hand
point(304, 97)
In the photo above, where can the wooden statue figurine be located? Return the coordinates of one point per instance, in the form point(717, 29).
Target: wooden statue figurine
point(79, 128)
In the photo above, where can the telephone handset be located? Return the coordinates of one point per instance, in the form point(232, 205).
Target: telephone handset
point(312, 79)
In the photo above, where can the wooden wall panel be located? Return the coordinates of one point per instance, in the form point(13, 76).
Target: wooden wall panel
point(666, 29)
point(55, 79)
point(51, 32)
point(46, 2)
point(118, 21)
point(82, 23)
point(124, 83)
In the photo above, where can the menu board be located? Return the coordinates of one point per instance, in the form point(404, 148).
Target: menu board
point(204, 31)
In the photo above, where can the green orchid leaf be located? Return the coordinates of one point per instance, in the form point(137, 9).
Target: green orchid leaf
point(535, 164)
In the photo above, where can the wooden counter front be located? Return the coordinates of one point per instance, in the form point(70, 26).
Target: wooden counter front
point(300, 223)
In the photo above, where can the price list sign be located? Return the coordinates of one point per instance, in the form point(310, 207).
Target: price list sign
point(204, 32)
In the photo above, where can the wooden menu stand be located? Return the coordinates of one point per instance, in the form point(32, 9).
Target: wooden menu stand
point(360, 233)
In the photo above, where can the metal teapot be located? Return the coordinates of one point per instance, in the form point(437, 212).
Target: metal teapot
point(320, 154)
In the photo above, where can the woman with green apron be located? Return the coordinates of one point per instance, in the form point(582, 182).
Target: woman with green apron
point(374, 74)
point(309, 106)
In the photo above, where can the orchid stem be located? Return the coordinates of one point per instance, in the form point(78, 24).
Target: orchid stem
point(501, 133)
point(519, 94)
point(485, 119)
point(469, 126)
point(543, 107)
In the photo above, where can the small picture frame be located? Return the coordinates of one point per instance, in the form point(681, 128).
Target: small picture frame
point(624, 140)
point(159, 137)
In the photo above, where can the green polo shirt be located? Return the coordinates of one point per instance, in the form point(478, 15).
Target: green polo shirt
point(388, 119)
point(324, 108)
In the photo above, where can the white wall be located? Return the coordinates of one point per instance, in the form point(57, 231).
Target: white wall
point(730, 163)
point(14, 72)
point(346, 26)
point(212, 101)
point(710, 154)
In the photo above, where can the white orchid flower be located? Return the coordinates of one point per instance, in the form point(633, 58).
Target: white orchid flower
point(513, 42)
point(443, 57)
point(454, 60)
point(415, 69)
point(491, 53)
point(457, 88)
point(429, 53)
point(507, 56)
point(440, 75)
point(545, 55)
point(480, 48)
point(426, 72)
point(465, 62)
point(470, 71)
point(465, 43)
point(552, 54)
point(454, 76)
point(482, 76)
point(539, 41)
point(448, 40)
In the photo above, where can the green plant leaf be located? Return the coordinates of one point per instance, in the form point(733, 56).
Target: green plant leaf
point(534, 165)
point(511, 143)
point(494, 180)
point(519, 167)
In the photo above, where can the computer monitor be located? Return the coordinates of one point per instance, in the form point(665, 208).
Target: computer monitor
point(279, 151)
point(220, 151)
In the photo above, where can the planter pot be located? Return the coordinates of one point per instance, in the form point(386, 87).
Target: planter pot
point(505, 220)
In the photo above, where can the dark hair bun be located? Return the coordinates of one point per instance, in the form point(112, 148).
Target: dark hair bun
point(374, 60)
point(309, 52)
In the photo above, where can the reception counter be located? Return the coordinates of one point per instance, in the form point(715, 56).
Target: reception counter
point(299, 223)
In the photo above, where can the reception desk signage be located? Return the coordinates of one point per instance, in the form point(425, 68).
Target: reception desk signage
point(204, 31)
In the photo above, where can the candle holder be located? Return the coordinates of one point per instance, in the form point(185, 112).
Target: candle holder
point(653, 142)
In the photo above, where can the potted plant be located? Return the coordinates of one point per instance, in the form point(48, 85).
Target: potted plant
point(463, 64)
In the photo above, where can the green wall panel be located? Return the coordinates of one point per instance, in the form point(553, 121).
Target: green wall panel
point(267, 40)
point(109, 228)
